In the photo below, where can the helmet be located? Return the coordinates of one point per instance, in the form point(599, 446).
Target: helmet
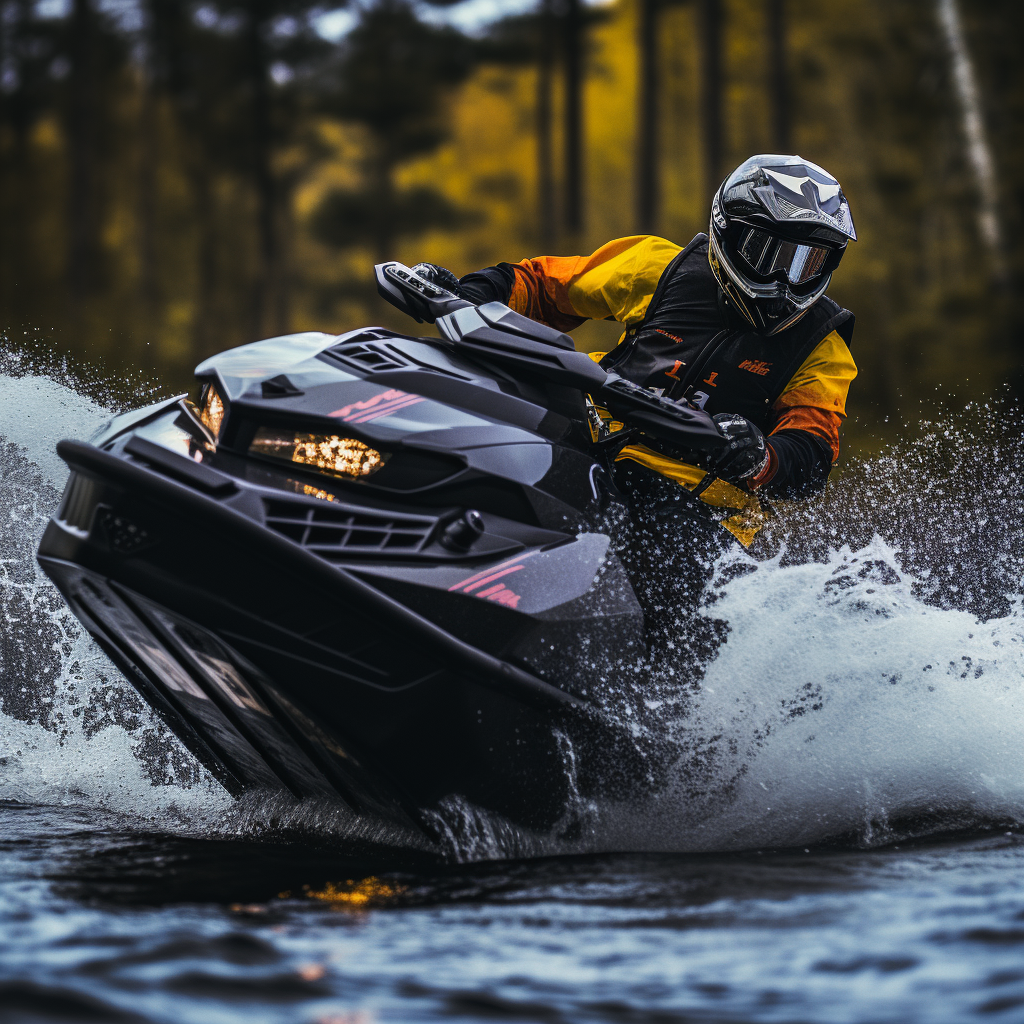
point(779, 227)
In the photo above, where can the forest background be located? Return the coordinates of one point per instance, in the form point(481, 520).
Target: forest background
point(180, 177)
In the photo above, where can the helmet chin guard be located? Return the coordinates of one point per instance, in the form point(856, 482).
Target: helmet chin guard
point(779, 227)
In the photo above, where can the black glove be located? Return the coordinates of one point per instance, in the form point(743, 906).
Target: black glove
point(745, 455)
point(441, 276)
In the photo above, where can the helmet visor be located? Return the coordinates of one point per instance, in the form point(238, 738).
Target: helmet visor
point(771, 257)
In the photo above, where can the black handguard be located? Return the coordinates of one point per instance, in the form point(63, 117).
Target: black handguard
point(441, 276)
point(677, 423)
point(416, 294)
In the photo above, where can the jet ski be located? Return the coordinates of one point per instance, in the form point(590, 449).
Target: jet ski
point(363, 568)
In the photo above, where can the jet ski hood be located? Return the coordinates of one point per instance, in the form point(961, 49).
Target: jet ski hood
point(380, 392)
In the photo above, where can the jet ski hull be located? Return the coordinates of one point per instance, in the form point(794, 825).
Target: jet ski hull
point(377, 569)
point(283, 673)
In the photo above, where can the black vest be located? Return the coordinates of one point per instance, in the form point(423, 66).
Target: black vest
point(688, 344)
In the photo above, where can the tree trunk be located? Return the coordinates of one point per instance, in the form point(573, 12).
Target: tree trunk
point(81, 130)
point(647, 147)
point(711, 94)
point(262, 172)
point(779, 84)
point(574, 171)
point(381, 165)
point(149, 157)
point(547, 228)
point(203, 326)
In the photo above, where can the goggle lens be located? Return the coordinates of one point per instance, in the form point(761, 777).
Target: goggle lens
point(767, 255)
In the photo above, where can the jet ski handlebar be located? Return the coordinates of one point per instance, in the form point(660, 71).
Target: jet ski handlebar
point(414, 295)
point(500, 335)
point(677, 423)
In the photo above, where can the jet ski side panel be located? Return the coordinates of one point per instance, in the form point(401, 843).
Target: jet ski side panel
point(413, 705)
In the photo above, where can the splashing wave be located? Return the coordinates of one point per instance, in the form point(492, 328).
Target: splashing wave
point(869, 685)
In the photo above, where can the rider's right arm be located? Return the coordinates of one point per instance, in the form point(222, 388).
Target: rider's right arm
point(616, 282)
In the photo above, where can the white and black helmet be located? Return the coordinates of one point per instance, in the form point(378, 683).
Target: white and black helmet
point(779, 227)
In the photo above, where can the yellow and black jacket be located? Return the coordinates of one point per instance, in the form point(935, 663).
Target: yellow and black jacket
point(681, 340)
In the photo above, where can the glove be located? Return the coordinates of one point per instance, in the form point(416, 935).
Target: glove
point(441, 276)
point(745, 455)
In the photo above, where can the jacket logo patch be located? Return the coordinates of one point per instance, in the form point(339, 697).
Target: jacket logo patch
point(710, 379)
point(668, 334)
point(674, 372)
point(756, 366)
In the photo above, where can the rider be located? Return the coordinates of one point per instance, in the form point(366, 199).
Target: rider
point(737, 322)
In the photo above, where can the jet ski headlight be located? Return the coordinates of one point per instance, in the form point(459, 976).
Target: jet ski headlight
point(328, 453)
point(212, 410)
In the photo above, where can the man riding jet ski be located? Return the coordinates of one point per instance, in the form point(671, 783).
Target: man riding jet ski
point(737, 323)
point(377, 570)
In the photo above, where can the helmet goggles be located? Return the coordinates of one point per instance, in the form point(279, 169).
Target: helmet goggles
point(773, 259)
point(779, 228)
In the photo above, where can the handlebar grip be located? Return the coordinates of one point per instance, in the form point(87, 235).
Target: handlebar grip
point(683, 425)
point(414, 295)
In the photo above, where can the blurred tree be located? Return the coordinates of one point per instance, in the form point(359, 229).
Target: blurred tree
point(554, 38)
point(27, 48)
point(573, 29)
point(546, 215)
point(711, 93)
point(778, 86)
point(994, 30)
point(237, 84)
point(395, 75)
point(82, 127)
point(276, 60)
point(648, 129)
point(193, 154)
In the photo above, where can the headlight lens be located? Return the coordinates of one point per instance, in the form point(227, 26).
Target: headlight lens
point(329, 453)
point(212, 412)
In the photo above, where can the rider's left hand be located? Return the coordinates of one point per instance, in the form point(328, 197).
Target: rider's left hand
point(441, 276)
point(746, 454)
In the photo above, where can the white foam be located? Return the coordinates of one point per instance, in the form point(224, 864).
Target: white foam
point(36, 413)
point(103, 770)
point(93, 741)
point(841, 701)
point(839, 704)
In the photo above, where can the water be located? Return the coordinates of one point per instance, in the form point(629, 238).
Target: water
point(106, 921)
point(840, 840)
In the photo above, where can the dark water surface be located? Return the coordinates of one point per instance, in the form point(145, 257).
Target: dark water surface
point(102, 922)
point(870, 690)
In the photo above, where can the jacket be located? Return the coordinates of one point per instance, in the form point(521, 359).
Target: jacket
point(682, 340)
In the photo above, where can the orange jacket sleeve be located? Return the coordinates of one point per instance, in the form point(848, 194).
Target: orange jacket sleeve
point(616, 282)
point(814, 400)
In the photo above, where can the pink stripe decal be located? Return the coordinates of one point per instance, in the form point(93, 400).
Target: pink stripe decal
point(368, 403)
point(494, 568)
point(384, 410)
point(491, 578)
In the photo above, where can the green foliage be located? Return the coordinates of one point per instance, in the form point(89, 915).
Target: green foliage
point(394, 78)
point(211, 173)
point(372, 216)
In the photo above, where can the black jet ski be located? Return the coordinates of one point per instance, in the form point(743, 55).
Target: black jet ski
point(364, 568)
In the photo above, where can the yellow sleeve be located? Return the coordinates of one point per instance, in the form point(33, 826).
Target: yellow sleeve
point(823, 379)
point(614, 283)
point(621, 286)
